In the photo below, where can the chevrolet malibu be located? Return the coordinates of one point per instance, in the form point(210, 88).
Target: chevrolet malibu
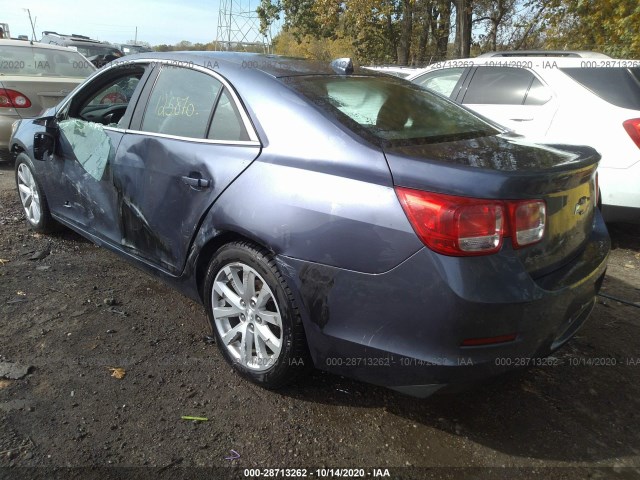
point(325, 216)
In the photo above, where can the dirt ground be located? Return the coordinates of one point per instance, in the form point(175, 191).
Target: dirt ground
point(71, 311)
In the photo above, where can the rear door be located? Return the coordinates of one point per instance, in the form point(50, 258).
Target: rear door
point(187, 142)
point(513, 97)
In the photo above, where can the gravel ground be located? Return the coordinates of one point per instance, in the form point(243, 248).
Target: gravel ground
point(70, 312)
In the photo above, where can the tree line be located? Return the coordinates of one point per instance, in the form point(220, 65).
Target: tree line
point(416, 32)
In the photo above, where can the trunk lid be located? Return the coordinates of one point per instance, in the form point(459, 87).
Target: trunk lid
point(43, 92)
point(507, 168)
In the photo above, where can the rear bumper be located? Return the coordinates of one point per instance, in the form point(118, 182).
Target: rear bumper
point(614, 213)
point(404, 329)
point(620, 193)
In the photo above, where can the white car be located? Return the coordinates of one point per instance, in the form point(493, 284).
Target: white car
point(586, 100)
point(396, 71)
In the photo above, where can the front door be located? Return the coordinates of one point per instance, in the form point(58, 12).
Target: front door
point(89, 133)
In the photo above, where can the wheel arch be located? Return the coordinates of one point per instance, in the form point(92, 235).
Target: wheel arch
point(209, 249)
point(16, 149)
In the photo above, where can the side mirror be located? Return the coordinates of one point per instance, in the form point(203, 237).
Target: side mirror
point(43, 143)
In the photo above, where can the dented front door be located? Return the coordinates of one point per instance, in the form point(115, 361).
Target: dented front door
point(84, 162)
point(90, 128)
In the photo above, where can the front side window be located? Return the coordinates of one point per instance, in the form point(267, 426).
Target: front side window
point(181, 103)
point(441, 81)
point(498, 86)
point(103, 102)
point(108, 100)
point(389, 110)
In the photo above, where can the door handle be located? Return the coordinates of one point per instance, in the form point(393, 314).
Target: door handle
point(521, 119)
point(196, 182)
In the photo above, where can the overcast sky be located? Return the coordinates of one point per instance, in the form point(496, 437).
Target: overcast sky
point(158, 21)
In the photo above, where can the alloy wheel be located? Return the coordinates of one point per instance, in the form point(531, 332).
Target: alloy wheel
point(29, 194)
point(247, 316)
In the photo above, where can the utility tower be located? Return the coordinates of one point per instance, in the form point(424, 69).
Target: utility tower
point(239, 27)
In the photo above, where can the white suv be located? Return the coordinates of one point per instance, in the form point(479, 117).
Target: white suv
point(580, 99)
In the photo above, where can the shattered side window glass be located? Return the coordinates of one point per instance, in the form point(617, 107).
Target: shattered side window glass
point(117, 93)
point(109, 104)
point(90, 144)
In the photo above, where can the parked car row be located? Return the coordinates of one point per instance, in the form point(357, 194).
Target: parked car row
point(99, 53)
point(578, 98)
point(325, 215)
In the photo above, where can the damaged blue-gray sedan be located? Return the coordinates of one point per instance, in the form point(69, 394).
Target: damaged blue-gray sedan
point(324, 215)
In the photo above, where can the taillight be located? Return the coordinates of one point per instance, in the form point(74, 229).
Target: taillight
point(454, 225)
point(462, 226)
point(12, 99)
point(528, 220)
point(633, 129)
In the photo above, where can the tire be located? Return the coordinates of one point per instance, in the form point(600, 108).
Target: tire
point(258, 330)
point(32, 197)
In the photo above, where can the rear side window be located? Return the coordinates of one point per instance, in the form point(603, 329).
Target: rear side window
point(498, 86)
point(538, 93)
point(227, 123)
point(181, 103)
point(618, 86)
point(442, 81)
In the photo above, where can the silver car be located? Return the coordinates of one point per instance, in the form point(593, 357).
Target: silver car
point(34, 77)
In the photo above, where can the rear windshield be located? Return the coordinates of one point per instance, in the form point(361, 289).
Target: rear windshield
point(130, 49)
point(618, 86)
point(28, 60)
point(391, 110)
point(94, 50)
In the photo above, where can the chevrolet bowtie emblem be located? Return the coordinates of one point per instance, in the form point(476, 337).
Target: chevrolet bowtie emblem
point(581, 206)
